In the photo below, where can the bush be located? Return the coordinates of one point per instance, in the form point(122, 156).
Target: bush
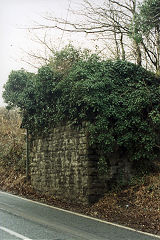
point(118, 99)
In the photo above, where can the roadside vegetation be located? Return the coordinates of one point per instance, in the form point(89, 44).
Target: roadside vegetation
point(120, 100)
point(12, 140)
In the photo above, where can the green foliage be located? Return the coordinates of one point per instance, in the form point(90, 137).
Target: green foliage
point(15, 88)
point(62, 61)
point(149, 15)
point(119, 100)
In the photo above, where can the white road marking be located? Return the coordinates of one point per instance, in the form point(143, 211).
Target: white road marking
point(84, 216)
point(14, 233)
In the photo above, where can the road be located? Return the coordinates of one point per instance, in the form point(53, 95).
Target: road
point(27, 220)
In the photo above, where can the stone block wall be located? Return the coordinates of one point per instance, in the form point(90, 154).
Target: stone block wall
point(62, 165)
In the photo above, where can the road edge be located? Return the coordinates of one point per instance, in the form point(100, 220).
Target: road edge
point(82, 215)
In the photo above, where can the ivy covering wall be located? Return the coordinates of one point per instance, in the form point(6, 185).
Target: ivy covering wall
point(119, 100)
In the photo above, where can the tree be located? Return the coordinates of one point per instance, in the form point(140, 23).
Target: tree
point(18, 82)
point(150, 15)
point(112, 22)
point(119, 25)
point(148, 21)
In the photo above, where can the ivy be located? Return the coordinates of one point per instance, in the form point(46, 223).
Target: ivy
point(119, 101)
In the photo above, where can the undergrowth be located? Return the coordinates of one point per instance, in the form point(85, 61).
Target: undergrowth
point(12, 140)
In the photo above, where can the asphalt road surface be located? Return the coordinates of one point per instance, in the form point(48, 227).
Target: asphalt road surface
point(27, 220)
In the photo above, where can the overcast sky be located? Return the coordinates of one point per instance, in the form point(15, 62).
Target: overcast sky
point(14, 16)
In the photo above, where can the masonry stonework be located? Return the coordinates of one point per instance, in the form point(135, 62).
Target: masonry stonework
point(63, 165)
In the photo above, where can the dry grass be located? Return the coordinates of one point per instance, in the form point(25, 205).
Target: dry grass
point(137, 206)
point(12, 138)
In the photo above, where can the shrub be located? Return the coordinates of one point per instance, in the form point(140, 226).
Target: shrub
point(119, 101)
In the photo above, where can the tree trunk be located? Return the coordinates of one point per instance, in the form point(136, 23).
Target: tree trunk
point(138, 54)
point(122, 47)
point(158, 50)
point(117, 45)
